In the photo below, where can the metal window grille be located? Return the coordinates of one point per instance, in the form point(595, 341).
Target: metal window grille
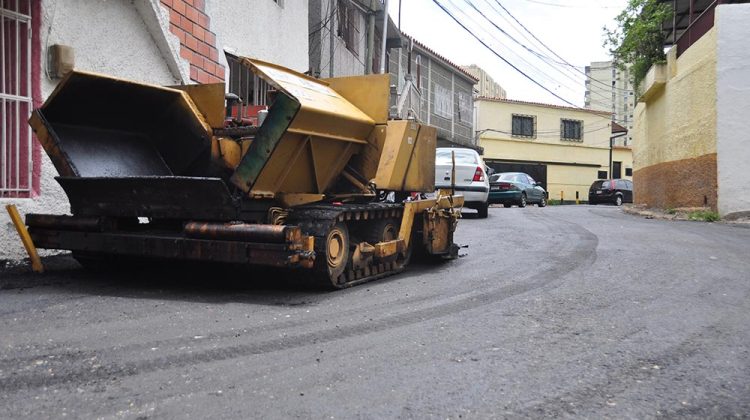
point(15, 98)
point(523, 126)
point(348, 25)
point(571, 130)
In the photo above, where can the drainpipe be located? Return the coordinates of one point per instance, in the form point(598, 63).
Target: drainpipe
point(370, 37)
point(385, 36)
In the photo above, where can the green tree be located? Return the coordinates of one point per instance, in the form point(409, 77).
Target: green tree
point(637, 37)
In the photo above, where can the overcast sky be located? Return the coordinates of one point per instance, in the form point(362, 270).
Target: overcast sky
point(570, 28)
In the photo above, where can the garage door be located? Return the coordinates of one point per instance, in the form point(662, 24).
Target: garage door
point(537, 171)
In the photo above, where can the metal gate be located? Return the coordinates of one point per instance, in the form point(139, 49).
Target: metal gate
point(15, 98)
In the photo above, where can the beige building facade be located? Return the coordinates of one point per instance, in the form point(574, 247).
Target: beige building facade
point(564, 148)
point(691, 126)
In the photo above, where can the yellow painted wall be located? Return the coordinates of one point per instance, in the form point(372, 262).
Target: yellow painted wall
point(497, 148)
point(626, 157)
point(565, 181)
point(674, 134)
point(494, 119)
point(679, 121)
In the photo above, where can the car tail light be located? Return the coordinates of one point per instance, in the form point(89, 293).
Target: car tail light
point(478, 175)
point(506, 186)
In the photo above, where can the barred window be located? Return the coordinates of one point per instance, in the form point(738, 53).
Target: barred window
point(348, 25)
point(523, 126)
point(571, 130)
point(15, 99)
point(465, 110)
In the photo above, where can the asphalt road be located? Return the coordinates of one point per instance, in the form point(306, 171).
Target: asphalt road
point(576, 311)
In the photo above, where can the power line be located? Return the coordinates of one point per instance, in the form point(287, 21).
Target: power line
point(501, 57)
point(549, 60)
point(574, 69)
point(540, 73)
point(323, 22)
point(568, 6)
point(551, 134)
point(317, 48)
point(534, 36)
point(539, 55)
point(545, 59)
point(552, 51)
point(335, 47)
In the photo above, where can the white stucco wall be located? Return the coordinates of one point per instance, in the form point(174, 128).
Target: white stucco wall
point(108, 37)
point(262, 29)
point(733, 108)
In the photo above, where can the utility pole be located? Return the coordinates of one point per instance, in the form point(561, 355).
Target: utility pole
point(332, 6)
point(399, 16)
point(611, 145)
point(370, 37)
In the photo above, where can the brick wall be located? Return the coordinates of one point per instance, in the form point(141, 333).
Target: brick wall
point(191, 25)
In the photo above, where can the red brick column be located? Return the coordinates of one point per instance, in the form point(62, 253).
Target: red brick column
point(191, 25)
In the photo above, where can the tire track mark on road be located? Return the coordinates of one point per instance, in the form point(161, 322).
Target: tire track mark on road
point(578, 252)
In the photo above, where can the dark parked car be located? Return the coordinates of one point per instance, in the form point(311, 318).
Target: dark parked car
point(615, 191)
point(509, 188)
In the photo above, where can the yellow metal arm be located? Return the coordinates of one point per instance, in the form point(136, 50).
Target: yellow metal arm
point(36, 262)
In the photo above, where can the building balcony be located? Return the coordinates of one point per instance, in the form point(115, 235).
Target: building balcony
point(691, 20)
point(654, 81)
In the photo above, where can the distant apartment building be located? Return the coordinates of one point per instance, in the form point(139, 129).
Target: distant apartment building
point(610, 89)
point(486, 86)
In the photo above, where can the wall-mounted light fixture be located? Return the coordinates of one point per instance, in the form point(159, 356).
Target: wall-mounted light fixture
point(61, 60)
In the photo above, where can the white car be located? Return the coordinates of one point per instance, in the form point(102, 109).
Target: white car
point(471, 178)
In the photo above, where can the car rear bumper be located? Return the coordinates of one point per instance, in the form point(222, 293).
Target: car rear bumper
point(504, 196)
point(601, 198)
point(471, 193)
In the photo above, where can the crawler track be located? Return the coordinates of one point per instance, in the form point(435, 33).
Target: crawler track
point(318, 219)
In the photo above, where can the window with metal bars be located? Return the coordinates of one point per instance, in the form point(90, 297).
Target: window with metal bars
point(348, 25)
point(571, 130)
point(523, 126)
point(15, 98)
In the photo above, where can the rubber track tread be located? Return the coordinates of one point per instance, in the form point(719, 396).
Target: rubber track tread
point(317, 219)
